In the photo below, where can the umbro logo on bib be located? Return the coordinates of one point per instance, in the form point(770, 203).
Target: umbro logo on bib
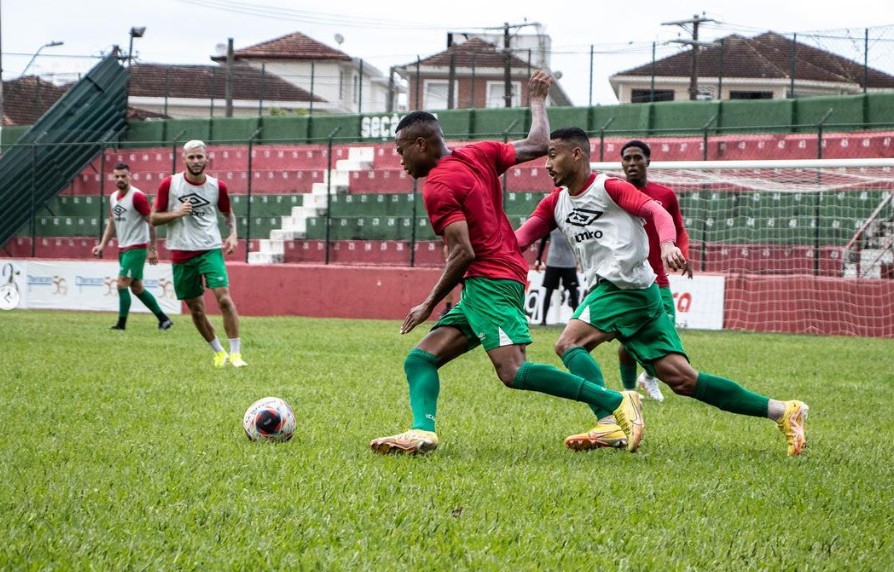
point(583, 217)
point(195, 199)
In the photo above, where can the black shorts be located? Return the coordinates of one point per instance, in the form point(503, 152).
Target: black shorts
point(552, 275)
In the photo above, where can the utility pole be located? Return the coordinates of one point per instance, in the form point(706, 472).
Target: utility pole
point(507, 67)
point(228, 83)
point(507, 61)
point(693, 73)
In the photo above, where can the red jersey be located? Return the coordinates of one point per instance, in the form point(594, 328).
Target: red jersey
point(465, 185)
point(668, 199)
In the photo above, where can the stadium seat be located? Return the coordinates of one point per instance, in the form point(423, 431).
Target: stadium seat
point(528, 177)
point(148, 159)
point(288, 157)
point(389, 180)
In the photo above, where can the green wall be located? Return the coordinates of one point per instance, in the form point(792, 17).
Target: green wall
point(671, 118)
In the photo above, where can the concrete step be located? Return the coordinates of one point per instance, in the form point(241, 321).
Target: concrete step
point(271, 246)
point(265, 258)
point(294, 224)
point(286, 234)
point(322, 189)
point(347, 165)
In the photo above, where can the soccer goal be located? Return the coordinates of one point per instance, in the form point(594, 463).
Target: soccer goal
point(815, 234)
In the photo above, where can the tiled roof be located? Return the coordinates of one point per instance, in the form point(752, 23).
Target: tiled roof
point(294, 46)
point(480, 52)
point(137, 114)
point(767, 56)
point(203, 82)
point(27, 98)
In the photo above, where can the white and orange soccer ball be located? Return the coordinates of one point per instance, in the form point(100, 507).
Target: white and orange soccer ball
point(269, 419)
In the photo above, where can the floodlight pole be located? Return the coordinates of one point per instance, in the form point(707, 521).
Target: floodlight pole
point(52, 44)
point(135, 32)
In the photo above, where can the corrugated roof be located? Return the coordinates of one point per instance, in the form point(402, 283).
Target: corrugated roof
point(767, 56)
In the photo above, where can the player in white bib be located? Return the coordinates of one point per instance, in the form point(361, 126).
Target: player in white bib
point(129, 221)
point(189, 202)
point(603, 218)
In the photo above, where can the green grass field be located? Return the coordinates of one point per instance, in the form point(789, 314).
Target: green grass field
point(124, 450)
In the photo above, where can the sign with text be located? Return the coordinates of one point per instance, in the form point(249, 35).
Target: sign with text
point(698, 302)
point(72, 285)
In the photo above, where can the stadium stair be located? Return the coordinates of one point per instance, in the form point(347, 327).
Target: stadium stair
point(313, 204)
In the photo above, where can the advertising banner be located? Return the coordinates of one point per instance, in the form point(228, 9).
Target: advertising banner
point(698, 301)
point(74, 285)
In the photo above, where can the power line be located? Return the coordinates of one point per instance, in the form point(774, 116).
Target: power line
point(310, 17)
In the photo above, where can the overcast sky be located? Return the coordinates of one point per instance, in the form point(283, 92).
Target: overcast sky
point(384, 34)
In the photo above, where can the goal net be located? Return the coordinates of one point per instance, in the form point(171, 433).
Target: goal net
point(803, 246)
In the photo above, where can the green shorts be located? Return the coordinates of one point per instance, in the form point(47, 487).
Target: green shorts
point(638, 317)
point(188, 275)
point(132, 262)
point(667, 299)
point(490, 313)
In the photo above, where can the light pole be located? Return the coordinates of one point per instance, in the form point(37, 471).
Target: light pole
point(37, 53)
point(135, 32)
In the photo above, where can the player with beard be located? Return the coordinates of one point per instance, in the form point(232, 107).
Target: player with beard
point(604, 217)
point(463, 198)
point(190, 203)
point(129, 221)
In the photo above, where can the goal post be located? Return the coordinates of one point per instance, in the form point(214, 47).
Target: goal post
point(804, 245)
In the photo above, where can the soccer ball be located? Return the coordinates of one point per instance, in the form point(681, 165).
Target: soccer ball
point(269, 419)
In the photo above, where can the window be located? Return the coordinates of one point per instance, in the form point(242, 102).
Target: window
point(647, 95)
point(704, 94)
point(496, 93)
point(355, 87)
point(341, 85)
point(435, 94)
point(751, 95)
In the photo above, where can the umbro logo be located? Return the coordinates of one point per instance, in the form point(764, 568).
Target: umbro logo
point(119, 210)
point(196, 200)
point(583, 217)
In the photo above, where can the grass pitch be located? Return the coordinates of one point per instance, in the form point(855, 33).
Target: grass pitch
point(124, 450)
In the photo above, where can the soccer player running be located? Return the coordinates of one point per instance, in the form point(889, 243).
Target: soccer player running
point(129, 221)
point(190, 202)
point(635, 158)
point(603, 216)
point(463, 199)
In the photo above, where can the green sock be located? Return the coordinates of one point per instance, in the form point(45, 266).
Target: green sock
point(421, 368)
point(729, 396)
point(552, 381)
point(580, 363)
point(149, 300)
point(123, 302)
point(628, 375)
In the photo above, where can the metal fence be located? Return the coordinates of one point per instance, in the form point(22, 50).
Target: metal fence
point(374, 207)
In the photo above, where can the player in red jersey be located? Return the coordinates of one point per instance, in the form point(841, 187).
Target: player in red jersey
point(464, 201)
point(635, 158)
point(603, 218)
